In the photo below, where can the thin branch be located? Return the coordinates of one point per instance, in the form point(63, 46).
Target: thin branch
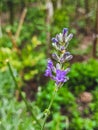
point(20, 23)
point(28, 106)
point(16, 36)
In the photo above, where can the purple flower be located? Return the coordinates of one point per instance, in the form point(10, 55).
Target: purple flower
point(54, 40)
point(61, 76)
point(50, 64)
point(58, 75)
point(48, 72)
point(65, 30)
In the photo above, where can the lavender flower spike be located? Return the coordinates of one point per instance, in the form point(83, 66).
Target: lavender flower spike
point(58, 73)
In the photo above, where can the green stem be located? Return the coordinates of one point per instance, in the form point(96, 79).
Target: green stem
point(28, 106)
point(48, 110)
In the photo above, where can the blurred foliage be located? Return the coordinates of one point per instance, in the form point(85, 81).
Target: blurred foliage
point(84, 74)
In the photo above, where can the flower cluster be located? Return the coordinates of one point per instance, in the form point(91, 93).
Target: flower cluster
point(57, 72)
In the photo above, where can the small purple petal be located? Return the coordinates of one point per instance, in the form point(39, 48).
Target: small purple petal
point(50, 64)
point(54, 40)
point(64, 31)
point(48, 73)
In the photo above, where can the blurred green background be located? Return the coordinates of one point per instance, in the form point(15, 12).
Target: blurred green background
point(26, 29)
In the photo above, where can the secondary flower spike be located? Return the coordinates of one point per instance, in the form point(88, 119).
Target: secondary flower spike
point(57, 72)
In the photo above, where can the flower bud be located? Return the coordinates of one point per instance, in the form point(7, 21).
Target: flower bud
point(66, 57)
point(55, 57)
point(65, 30)
point(69, 57)
point(69, 38)
point(54, 40)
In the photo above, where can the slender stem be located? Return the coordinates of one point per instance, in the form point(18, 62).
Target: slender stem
point(48, 110)
point(28, 106)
